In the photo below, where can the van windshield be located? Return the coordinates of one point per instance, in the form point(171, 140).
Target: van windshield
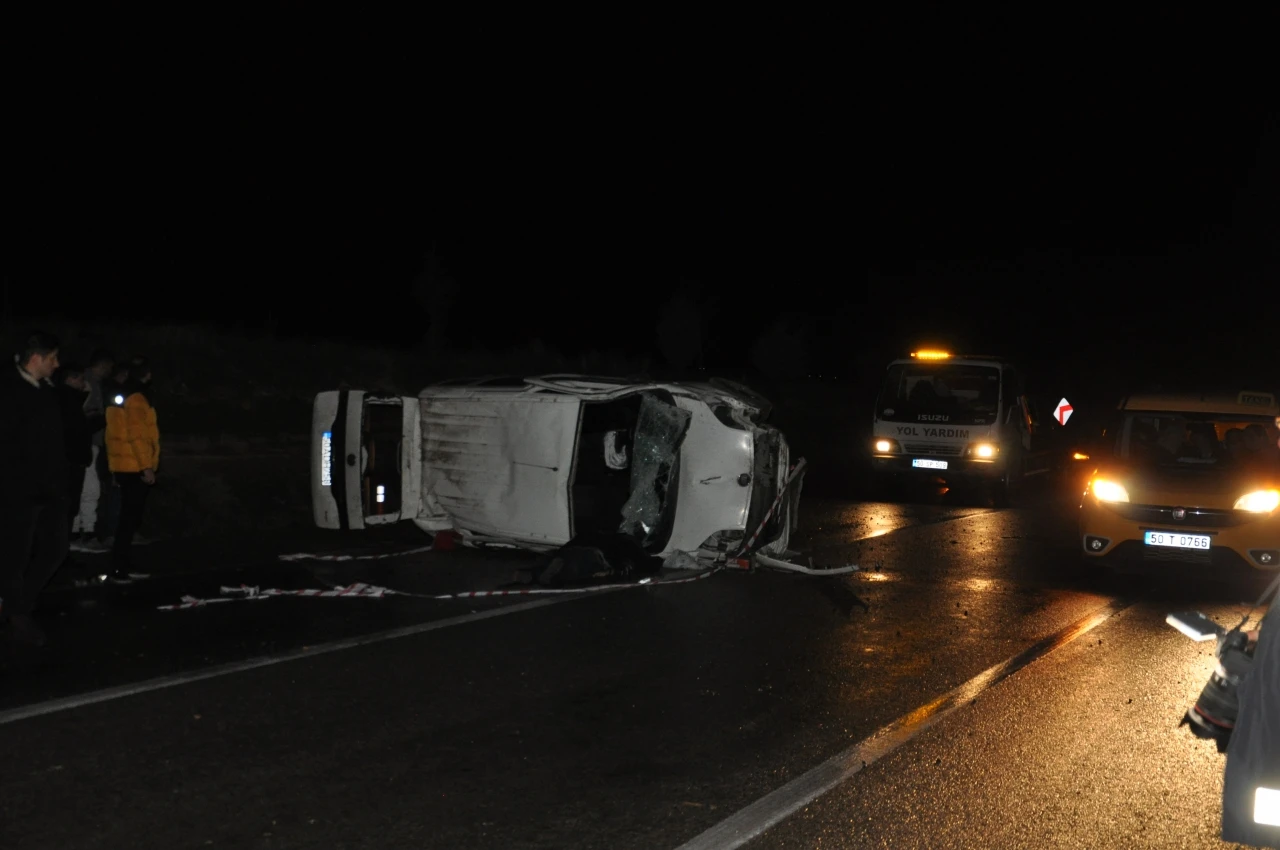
point(1199, 440)
point(940, 392)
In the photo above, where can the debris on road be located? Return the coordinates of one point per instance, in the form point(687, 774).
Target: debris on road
point(368, 591)
point(315, 556)
point(592, 556)
point(811, 570)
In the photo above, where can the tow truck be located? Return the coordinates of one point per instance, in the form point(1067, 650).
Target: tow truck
point(964, 418)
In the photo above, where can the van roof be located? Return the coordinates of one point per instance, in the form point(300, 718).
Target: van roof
point(1244, 403)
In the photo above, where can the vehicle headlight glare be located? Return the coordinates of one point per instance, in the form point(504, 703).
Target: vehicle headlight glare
point(984, 450)
point(1109, 491)
point(884, 446)
point(1259, 501)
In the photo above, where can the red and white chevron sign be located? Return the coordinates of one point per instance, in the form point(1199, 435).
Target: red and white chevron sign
point(1063, 412)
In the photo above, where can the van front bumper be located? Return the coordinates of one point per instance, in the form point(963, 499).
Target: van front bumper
point(957, 468)
point(1115, 535)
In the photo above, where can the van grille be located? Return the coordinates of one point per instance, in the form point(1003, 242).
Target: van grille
point(1194, 517)
point(932, 449)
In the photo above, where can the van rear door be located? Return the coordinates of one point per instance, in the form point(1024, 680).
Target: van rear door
point(366, 466)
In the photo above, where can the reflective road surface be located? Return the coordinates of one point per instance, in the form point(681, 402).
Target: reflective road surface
point(971, 686)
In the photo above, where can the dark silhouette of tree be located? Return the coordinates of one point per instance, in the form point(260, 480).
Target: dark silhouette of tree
point(680, 338)
point(782, 352)
point(436, 291)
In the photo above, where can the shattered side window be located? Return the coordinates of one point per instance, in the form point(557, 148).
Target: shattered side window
point(660, 428)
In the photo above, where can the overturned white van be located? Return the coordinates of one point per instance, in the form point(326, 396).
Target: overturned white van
point(531, 462)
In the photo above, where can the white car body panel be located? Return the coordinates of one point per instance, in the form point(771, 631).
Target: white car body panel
point(499, 464)
point(710, 498)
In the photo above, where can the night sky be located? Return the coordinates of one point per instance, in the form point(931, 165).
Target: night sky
point(1068, 189)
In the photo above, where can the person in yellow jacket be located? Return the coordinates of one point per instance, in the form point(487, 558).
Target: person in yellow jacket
point(133, 455)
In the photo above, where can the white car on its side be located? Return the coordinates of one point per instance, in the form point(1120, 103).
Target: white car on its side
point(532, 462)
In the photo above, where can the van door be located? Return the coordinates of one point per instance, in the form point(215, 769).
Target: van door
point(366, 464)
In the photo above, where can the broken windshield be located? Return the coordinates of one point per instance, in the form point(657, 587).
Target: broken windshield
point(660, 428)
point(940, 392)
point(1199, 440)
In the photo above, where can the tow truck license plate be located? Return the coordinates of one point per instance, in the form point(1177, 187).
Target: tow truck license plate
point(925, 463)
point(1177, 541)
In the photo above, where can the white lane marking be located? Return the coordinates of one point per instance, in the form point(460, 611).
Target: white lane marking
point(65, 703)
point(778, 805)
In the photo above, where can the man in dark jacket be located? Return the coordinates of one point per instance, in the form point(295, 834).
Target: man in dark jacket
point(33, 483)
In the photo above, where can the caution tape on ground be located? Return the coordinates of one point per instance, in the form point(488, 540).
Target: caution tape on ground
point(315, 556)
point(796, 472)
point(368, 591)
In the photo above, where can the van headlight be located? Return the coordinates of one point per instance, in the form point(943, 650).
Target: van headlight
point(1109, 491)
point(986, 451)
point(1259, 501)
point(884, 446)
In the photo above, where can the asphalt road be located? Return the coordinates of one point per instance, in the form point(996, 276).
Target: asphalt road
point(998, 695)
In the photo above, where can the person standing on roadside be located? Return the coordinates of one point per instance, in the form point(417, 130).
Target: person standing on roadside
point(77, 433)
point(133, 453)
point(92, 524)
point(33, 484)
point(112, 389)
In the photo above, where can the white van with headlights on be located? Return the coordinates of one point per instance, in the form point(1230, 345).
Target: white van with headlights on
point(962, 418)
point(531, 462)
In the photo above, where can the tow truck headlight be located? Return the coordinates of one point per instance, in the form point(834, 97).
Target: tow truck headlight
point(984, 450)
point(1109, 491)
point(885, 446)
point(1259, 501)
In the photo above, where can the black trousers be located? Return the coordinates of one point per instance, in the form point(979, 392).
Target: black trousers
point(33, 544)
point(133, 498)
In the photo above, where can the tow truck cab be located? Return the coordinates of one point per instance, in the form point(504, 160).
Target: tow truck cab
point(963, 418)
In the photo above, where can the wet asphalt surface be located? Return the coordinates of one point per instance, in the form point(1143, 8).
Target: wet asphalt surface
point(641, 717)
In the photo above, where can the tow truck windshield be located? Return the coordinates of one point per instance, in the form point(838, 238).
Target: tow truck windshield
point(1199, 441)
point(940, 392)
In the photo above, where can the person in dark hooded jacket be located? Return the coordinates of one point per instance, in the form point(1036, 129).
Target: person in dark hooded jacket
point(77, 430)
